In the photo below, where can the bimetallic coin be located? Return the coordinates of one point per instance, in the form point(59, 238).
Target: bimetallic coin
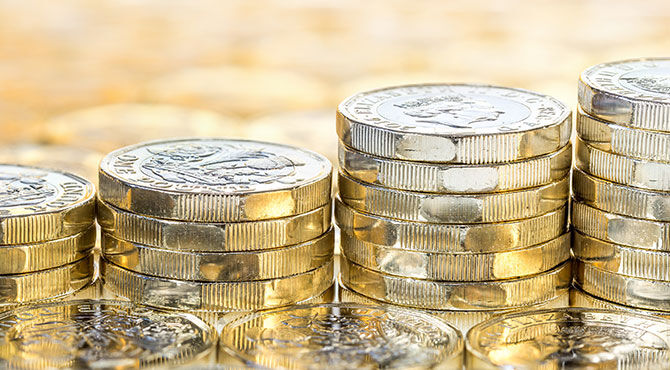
point(40, 204)
point(625, 290)
point(46, 284)
point(569, 338)
point(621, 230)
point(457, 266)
point(100, 334)
point(579, 298)
point(215, 180)
point(623, 170)
point(217, 266)
point(629, 92)
point(469, 124)
point(623, 140)
point(445, 295)
point(216, 296)
point(450, 238)
point(451, 178)
point(343, 335)
point(453, 208)
point(213, 237)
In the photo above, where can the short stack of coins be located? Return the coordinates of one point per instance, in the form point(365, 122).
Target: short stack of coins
point(621, 184)
point(454, 197)
point(47, 234)
point(216, 225)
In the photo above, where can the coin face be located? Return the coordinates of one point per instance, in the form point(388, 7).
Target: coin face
point(454, 110)
point(343, 335)
point(570, 338)
point(100, 333)
point(635, 79)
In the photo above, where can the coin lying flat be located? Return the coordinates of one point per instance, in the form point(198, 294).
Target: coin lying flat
point(218, 266)
point(343, 335)
point(39, 204)
point(216, 296)
point(213, 237)
point(457, 266)
point(445, 295)
point(579, 298)
point(468, 124)
point(623, 170)
point(80, 161)
point(452, 178)
point(453, 208)
point(575, 338)
point(629, 92)
point(625, 290)
point(623, 140)
point(215, 180)
point(620, 199)
point(100, 334)
point(623, 230)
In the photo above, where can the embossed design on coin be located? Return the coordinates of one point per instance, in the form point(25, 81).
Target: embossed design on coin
point(645, 79)
point(343, 335)
point(655, 80)
point(23, 190)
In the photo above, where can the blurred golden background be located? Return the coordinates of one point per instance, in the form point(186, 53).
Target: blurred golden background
point(79, 78)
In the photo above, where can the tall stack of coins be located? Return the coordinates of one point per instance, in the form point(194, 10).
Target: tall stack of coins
point(621, 183)
point(47, 234)
point(216, 225)
point(454, 197)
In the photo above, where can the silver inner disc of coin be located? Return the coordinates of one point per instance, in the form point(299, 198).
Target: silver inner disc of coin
point(637, 79)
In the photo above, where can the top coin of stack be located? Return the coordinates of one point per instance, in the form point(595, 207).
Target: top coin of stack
point(454, 196)
point(621, 183)
point(47, 234)
point(215, 224)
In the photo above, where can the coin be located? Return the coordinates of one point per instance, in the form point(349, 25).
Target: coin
point(39, 204)
point(453, 208)
point(457, 266)
point(450, 238)
point(469, 124)
point(444, 295)
point(343, 335)
point(216, 296)
point(218, 266)
point(215, 180)
point(622, 230)
point(569, 338)
point(625, 290)
point(579, 298)
point(629, 92)
point(623, 140)
point(623, 170)
point(453, 178)
point(100, 334)
point(46, 284)
point(620, 199)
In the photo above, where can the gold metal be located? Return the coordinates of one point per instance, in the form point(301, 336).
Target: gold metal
point(579, 298)
point(453, 208)
point(213, 237)
point(443, 295)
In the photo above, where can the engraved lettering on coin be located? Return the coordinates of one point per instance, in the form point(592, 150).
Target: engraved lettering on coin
point(22, 191)
point(653, 80)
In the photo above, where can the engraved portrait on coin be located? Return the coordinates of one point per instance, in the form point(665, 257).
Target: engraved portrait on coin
point(23, 190)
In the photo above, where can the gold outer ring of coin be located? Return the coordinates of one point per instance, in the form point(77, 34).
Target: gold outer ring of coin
point(466, 296)
point(457, 266)
point(624, 290)
point(217, 266)
point(619, 259)
point(445, 178)
point(622, 140)
point(20, 259)
point(453, 208)
point(215, 296)
point(620, 199)
point(579, 298)
point(46, 284)
point(213, 237)
point(623, 230)
point(628, 171)
point(450, 238)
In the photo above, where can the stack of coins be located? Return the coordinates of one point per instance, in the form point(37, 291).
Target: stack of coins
point(621, 183)
point(47, 234)
point(216, 225)
point(454, 197)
